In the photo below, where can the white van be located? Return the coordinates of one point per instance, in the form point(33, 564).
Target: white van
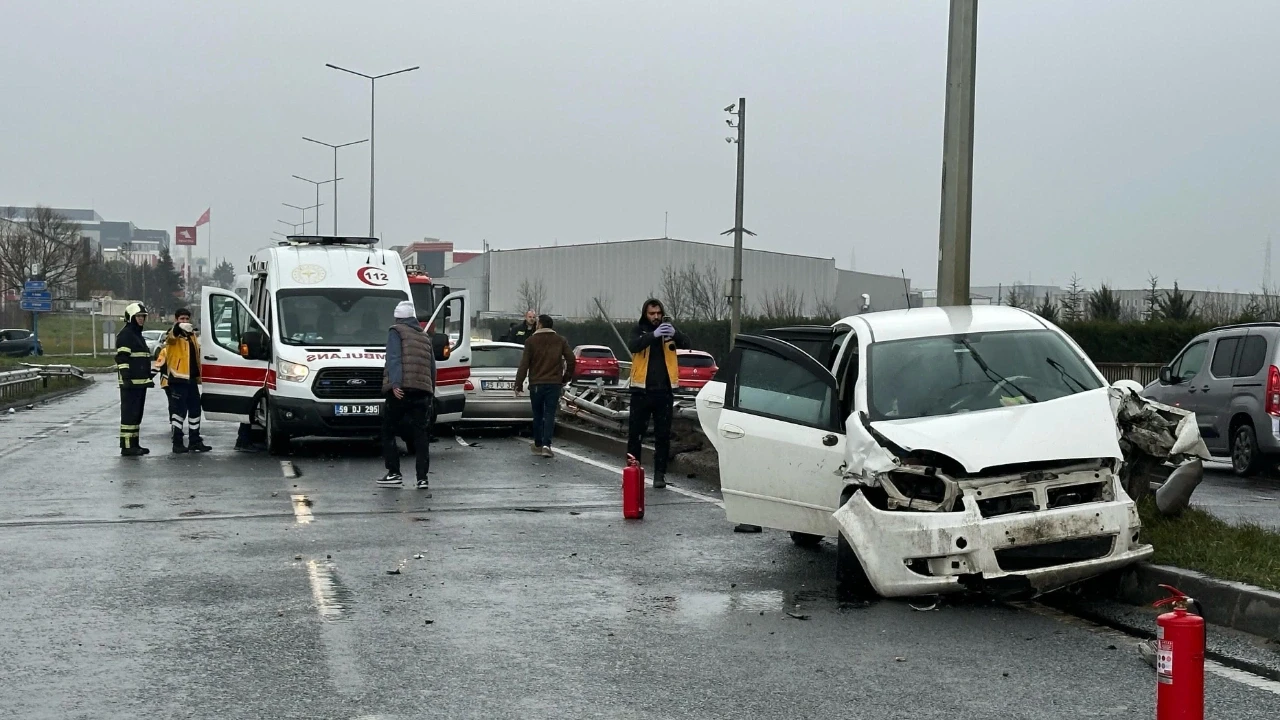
point(305, 354)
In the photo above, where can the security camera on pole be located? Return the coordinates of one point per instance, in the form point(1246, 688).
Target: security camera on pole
point(735, 284)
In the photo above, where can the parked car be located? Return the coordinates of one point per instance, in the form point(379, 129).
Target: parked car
point(696, 368)
point(944, 448)
point(153, 338)
point(595, 361)
point(490, 391)
point(19, 343)
point(1230, 378)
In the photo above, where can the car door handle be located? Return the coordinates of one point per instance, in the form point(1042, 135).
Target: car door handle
point(210, 357)
point(732, 432)
point(712, 402)
point(1204, 388)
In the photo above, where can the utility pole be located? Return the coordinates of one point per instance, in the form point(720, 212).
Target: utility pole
point(735, 283)
point(957, 155)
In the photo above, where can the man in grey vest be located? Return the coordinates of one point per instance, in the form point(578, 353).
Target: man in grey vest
point(409, 385)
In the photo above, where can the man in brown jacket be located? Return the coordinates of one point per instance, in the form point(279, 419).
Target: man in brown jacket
point(409, 384)
point(548, 364)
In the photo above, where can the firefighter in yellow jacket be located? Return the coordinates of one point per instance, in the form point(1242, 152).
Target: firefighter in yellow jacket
point(179, 365)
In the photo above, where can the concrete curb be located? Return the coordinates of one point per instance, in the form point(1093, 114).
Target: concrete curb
point(618, 447)
point(48, 396)
point(1235, 605)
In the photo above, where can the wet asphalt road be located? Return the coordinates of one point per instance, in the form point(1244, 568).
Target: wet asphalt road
point(214, 587)
point(1236, 499)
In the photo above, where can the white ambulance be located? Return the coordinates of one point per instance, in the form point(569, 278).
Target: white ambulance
point(304, 354)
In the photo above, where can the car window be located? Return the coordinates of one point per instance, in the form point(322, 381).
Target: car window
point(495, 357)
point(337, 316)
point(596, 353)
point(924, 377)
point(1188, 365)
point(1224, 356)
point(773, 386)
point(1253, 355)
point(696, 361)
point(229, 322)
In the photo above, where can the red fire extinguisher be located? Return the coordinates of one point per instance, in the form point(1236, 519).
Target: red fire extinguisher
point(1179, 660)
point(632, 489)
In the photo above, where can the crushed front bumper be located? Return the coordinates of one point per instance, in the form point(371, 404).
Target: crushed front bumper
point(924, 553)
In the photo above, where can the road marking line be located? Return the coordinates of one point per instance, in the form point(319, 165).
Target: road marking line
point(302, 510)
point(286, 467)
point(672, 488)
point(1210, 666)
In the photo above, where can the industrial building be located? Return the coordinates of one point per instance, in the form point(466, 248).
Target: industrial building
point(114, 239)
point(567, 280)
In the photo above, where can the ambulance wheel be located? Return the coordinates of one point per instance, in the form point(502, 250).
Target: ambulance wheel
point(277, 442)
point(852, 584)
point(805, 540)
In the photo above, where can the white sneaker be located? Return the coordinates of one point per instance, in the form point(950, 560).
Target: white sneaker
point(391, 480)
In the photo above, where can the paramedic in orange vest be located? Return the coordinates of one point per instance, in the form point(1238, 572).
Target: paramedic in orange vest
point(654, 376)
point(179, 365)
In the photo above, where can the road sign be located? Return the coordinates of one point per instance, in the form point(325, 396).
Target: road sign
point(38, 296)
point(35, 285)
point(36, 306)
point(184, 236)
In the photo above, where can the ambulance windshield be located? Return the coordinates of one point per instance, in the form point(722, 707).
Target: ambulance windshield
point(335, 316)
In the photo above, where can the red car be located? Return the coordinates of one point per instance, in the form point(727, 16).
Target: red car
point(696, 368)
point(595, 361)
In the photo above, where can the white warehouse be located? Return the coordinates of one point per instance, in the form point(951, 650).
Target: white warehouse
point(565, 280)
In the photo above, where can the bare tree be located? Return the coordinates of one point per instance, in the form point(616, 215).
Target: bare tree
point(783, 303)
point(1018, 297)
point(707, 298)
point(601, 308)
point(826, 309)
point(675, 292)
point(1217, 311)
point(532, 295)
point(42, 244)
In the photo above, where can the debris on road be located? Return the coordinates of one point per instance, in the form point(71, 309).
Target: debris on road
point(797, 616)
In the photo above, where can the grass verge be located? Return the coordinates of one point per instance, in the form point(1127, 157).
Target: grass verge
point(1196, 540)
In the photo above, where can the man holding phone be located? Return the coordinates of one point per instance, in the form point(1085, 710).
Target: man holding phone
point(655, 374)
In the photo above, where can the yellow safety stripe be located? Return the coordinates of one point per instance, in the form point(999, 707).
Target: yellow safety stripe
point(140, 353)
point(145, 381)
point(123, 366)
point(129, 427)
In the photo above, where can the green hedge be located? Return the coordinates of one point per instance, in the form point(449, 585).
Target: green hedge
point(1137, 342)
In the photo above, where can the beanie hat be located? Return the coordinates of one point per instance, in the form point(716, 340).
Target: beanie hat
point(405, 310)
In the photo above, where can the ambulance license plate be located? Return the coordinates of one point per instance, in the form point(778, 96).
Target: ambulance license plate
point(357, 410)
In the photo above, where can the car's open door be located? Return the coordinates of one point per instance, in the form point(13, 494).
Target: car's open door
point(229, 382)
point(780, 438)
point(451, 324)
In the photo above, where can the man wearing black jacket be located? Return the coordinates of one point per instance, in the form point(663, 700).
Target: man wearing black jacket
point(133, 370)
point(654, 377)
point(520, 332)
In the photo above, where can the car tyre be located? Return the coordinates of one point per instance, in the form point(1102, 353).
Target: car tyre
point(852, 584)
point(1246, 458)
point(805, 540)
point(277, 441)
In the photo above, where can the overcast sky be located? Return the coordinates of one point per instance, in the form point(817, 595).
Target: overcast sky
point(1113, 138)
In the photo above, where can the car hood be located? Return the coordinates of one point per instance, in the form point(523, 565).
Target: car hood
point(1080, 426)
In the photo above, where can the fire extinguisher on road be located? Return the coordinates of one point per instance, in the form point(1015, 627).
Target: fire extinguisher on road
point(632, 489)
point(1179, 660)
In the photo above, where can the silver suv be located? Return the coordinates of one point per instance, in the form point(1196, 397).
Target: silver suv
point(1229, 378)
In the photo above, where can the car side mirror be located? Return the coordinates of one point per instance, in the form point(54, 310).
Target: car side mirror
point(253, 346)
point(1166, 376)
point(440, 346)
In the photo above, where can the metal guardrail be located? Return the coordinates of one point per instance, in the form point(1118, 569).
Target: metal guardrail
point(1143, 373)
point(32, 378)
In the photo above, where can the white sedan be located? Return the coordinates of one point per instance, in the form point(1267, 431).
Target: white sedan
point(491, 397)
point(944, 448)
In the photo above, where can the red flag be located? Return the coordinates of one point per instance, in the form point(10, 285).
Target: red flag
point(203, 218)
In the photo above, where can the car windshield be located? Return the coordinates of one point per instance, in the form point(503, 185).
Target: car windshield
point(696, 361)
point(152, 334)
point(925, 377)
point(335, 316)
point(597, 353)
point(495, 357)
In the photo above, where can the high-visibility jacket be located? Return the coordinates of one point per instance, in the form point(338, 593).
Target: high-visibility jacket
point(179, 358)
point(133, 358)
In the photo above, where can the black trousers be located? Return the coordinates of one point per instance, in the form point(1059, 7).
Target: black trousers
point(417, 406)
point(184, 405)
point(646, 404)
point(132, 402)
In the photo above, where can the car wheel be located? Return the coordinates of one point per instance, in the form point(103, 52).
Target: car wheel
point(277, 442)
point(852, 584)
point(1246, 458)
point(805, 540)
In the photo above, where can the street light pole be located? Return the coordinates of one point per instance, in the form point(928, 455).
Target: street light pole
point(335, 174)
point(318, 183)
point(735, 284)
point(957, 155)
point(304, 210)
point(372, 90)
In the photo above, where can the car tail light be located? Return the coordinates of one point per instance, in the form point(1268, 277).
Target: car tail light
point(1273, 391)
point(469, 386)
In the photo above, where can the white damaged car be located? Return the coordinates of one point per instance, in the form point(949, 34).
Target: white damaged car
point(946, 448)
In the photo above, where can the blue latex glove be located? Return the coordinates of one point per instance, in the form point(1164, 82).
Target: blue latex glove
point(665, 330)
